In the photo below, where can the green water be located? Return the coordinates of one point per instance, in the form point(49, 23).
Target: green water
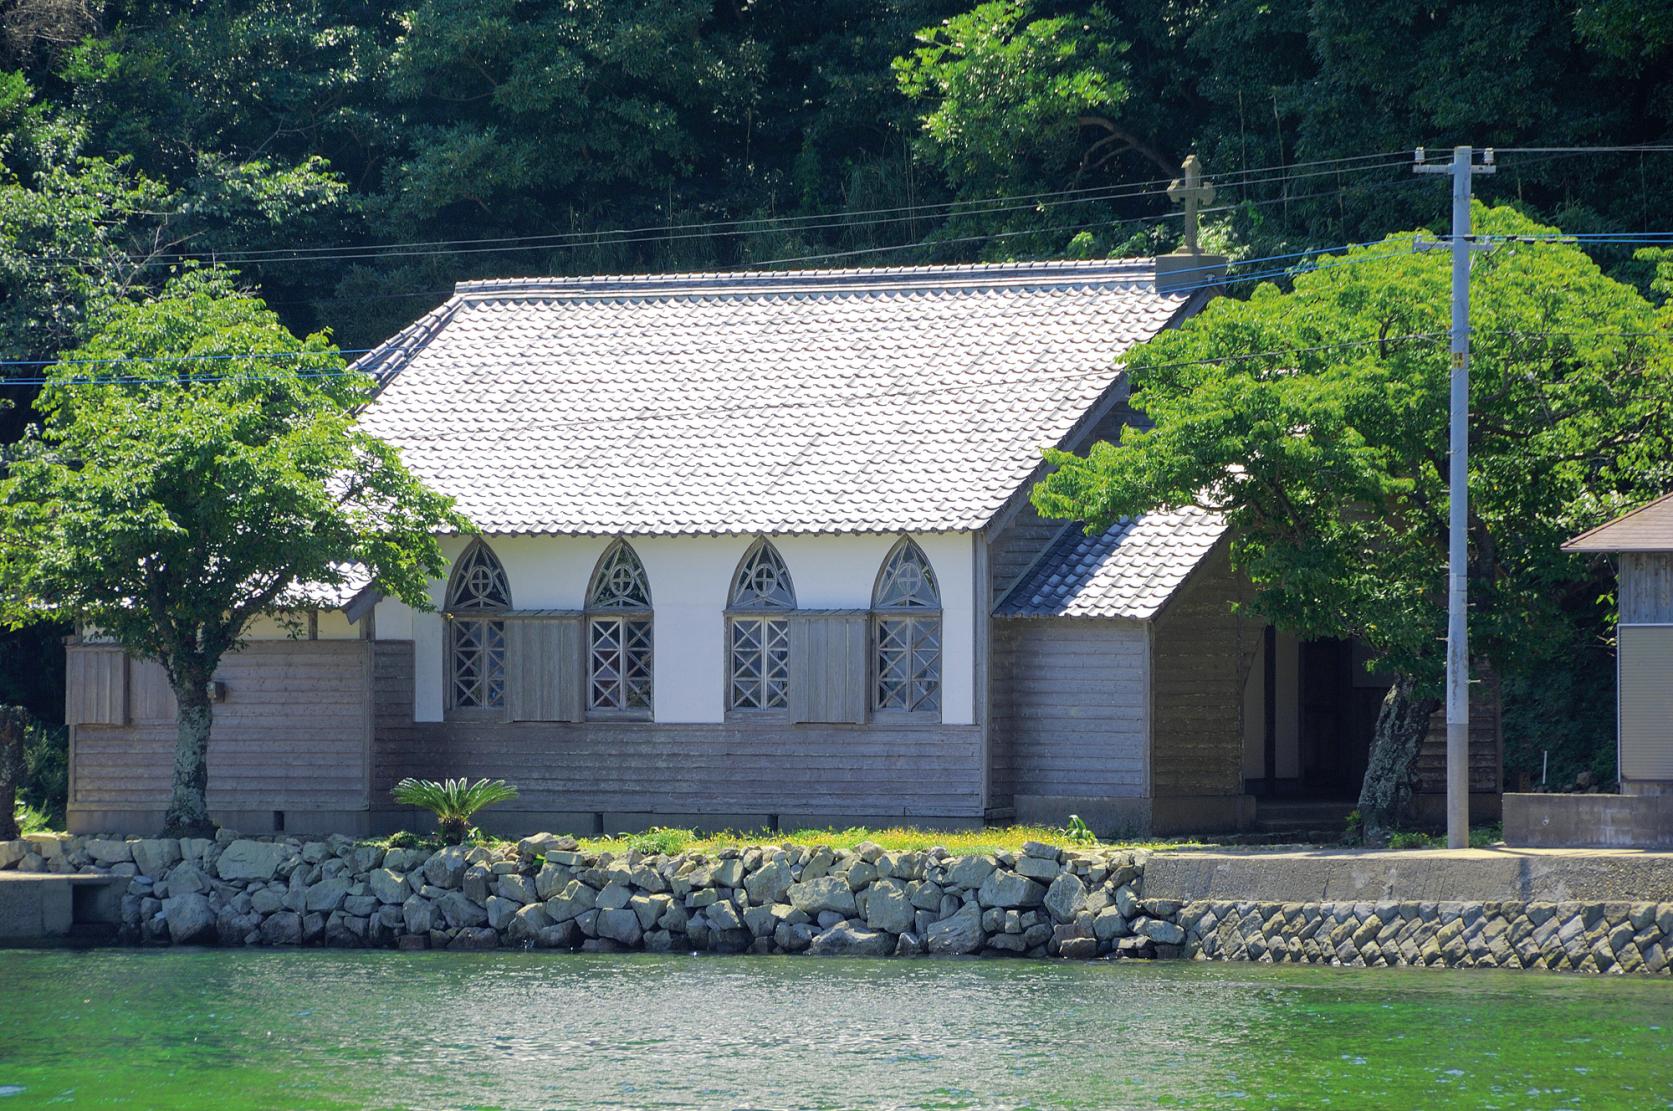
point(203, 1028)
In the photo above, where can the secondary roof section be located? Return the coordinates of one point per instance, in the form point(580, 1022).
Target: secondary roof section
point(878, 400)
point(1129, 570)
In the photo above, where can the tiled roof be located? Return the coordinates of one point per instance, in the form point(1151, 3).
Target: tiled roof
point(1649, 528)
point(1128, 570)
point(320, 595)
point(905, 399)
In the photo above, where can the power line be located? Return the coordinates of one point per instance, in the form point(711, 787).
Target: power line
point(1084, 226)
point(1213, 282)
point(1298, 259)
point(1644, 148)
point(594, 240)
point(770, 225)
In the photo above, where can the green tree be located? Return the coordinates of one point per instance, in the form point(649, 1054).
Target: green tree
point(1317, 420)
point(1018, 104)
point(167, 504)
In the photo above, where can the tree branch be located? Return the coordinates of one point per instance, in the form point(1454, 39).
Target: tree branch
point(1118, 133)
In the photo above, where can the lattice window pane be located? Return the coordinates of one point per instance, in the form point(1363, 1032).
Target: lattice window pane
point(908, 663)
point(636, 664)
point(478, 660)
point(760, 659)
point(907, 581)
point(619, 656)
point(762, 581)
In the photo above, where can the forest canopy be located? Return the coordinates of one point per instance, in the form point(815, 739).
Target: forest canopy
point(353, 160)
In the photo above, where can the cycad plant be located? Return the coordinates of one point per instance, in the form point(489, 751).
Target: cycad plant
point(452, 802)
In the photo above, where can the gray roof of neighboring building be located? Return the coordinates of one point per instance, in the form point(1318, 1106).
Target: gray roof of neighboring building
point(1129, 570)
point(879, 400)
point(1649, 528)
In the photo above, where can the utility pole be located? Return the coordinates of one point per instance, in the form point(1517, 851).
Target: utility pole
point(1463, 169)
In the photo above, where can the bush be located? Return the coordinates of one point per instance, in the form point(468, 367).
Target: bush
point(31, 820)
point(453, 802)
point(46, 770)
point(34, 775)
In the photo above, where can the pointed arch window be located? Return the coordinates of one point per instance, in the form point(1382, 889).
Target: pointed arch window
point(477, 598)
point(619, 633)
point(758, 632)
point(906, 633)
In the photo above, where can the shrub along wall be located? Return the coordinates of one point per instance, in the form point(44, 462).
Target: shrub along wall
point(1046, 901)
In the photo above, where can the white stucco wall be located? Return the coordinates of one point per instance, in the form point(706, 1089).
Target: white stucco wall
point(689, 577)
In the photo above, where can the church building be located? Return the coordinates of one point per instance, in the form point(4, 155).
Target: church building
point(755, 550)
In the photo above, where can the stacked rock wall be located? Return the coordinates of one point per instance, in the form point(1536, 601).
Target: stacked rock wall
point(545, 892)
point(1045, 901)
point(1564, 937)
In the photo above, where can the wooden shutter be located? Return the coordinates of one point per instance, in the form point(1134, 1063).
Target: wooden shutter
point(150, 697)
point(828, 666)
point(96, 685)
point(543, 672)
point(1645, 658)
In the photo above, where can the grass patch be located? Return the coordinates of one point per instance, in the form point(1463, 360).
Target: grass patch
point(895, 839)
point(1481, 837)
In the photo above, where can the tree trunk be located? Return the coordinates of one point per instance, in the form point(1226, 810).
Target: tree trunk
point(188, 808)
point(11, 769)
point(1385, 799)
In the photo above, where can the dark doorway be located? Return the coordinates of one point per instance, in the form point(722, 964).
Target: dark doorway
point(1337, 717)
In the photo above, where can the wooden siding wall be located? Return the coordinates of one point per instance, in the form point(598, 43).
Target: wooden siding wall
point(1070, 704)
point(292, 734)
point(769, 767)
point(1013, 548)
point(394, 736)
point(1200, 658)
point(1646, 588)
point(1486, 743)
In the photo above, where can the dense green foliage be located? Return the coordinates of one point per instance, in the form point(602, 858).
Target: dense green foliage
point(170, 505)
point(136, 130)
point(1317, 418)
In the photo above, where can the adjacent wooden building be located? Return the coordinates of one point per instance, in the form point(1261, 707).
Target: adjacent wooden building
point(1641, 815)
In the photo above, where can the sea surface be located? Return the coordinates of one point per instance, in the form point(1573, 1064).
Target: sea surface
point(201, 1028)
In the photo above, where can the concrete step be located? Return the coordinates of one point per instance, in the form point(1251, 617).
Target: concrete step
point(1302, 816)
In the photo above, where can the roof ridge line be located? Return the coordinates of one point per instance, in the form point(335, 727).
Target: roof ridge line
point(1061, 271)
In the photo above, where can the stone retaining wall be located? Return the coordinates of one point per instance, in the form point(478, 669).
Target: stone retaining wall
point(1562, 937)
point(1045, 901)
point(545, 893)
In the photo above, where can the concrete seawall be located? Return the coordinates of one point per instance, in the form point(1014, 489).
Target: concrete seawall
point(1470, 875)
point(1588, 912)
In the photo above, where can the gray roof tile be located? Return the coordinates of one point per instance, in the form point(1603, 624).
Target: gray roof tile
point(899, 399)
point(1129, 570)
